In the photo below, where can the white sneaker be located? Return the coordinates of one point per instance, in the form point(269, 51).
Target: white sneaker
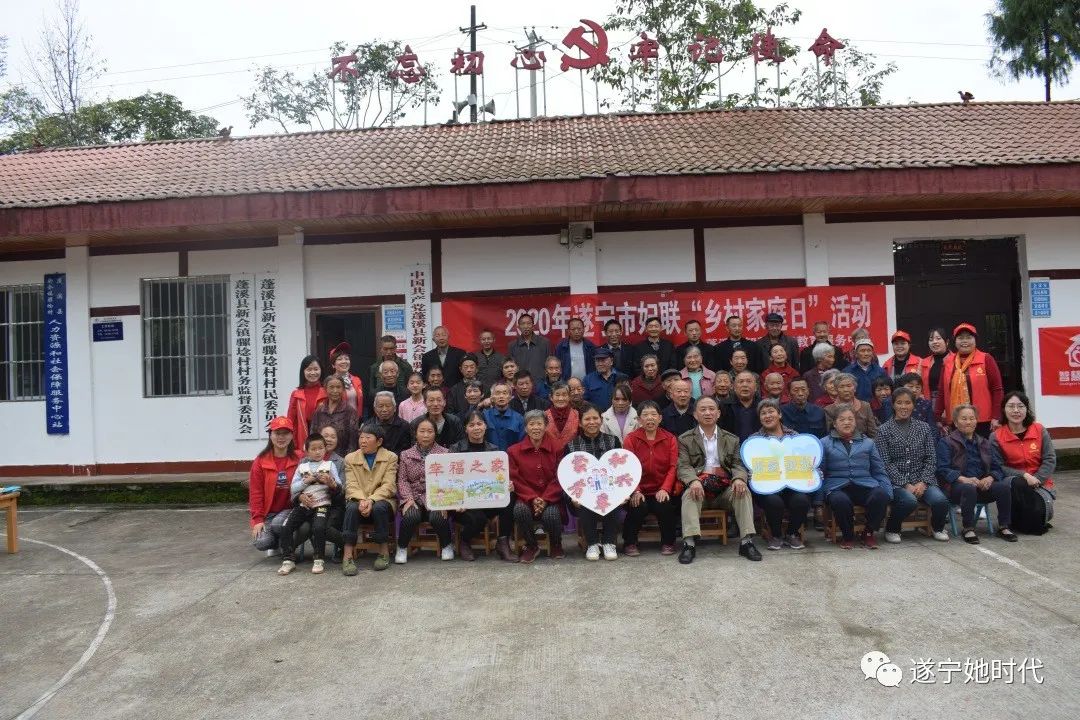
point(892, 537)
point(447, 553)
point(401, 556)
point(941, 535)
point(317, 567)
point(286, 567)
point(593, 553)
point(609, 552)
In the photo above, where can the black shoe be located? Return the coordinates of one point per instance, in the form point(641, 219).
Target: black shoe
point(1007, 535)
point(687, 555)
point(749, 551)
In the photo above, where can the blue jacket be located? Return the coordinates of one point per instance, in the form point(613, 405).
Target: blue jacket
point(504, 427)
point(809, 419)
point(861, 465)
point(598, 391)
point(562, 351)
point(864, 379)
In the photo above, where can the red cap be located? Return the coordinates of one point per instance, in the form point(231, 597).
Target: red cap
point(962, 327)
point(281, 423)
point(900, 334)
point(340, 348)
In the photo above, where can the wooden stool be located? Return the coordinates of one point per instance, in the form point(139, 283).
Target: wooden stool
point(714, 525)
point(767, 534)
point(650, 531)
point(425, 539)
point(832, 530)
point(519, 543)
point(919, 519)
point(10, 504)
point(485, 540)
point(366, 543)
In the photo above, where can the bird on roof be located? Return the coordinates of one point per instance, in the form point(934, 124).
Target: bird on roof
point(225, 132)
point(965, 96)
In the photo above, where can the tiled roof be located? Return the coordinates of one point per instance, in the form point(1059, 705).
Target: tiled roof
point(703, 142)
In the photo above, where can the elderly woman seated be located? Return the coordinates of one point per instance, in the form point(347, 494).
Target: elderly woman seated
point(853, 474)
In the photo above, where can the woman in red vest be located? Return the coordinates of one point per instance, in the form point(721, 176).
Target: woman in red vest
point(1027, 456)
point(269, 497)
point(305, 397)
point(931, 366)
point(970, 377)
point(901, 361)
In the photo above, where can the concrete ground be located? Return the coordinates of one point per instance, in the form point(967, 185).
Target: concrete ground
point(204, 628)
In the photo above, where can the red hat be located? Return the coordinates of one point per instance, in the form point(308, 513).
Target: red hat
point(900, 334)
point(281, 423)
point(340, 348)
point(962, 327)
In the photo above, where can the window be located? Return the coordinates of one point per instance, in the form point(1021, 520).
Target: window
point(186, 336)
point(22, 361)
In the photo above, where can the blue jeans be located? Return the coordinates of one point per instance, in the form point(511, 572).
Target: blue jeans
point(904, 503)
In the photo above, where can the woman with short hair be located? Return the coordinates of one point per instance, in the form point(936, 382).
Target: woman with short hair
point(563, 419)
point(1026, 452)
point(335, 410)
point(828, 384)
point(412, 492)
point(341, 364)
point(824, 358)
point(969, 474)
point(795, 503)
point(853, 474)
point(370, 496)
point(593, 440)
point(658, 451)
point(534, 464)
point(473, 521)
point(701, 378)
point(865, 421)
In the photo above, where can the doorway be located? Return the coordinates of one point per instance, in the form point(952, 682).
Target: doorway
point(947, 282)
point(356, 327)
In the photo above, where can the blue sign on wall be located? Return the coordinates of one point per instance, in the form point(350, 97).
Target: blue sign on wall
point(1040, 297)
point(107, 330)
point(394, 319)
point(57, 417)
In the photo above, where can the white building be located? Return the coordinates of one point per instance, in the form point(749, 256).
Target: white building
point(951, 209)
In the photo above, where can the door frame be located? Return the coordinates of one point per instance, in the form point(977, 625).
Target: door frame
point(315, 313)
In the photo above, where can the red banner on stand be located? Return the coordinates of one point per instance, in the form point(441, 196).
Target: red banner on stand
point(844, 307)
point(1059, 360)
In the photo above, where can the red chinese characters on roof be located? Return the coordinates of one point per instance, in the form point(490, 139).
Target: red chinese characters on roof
point(765, 46)
point(467, 63)
point(340, 70)
point(594, 53)
point(645, 50)
point(527, 59)
point(706, 46)
point(826, 46)
point(408, 70)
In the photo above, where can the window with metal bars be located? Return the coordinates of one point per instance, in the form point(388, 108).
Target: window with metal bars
point(22, 360)
point(186, 336)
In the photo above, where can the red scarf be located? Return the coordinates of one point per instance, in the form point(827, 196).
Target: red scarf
point(560, 416)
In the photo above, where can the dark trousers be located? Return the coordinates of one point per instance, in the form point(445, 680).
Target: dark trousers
point(379, 517)
point(410, 521)
point(550, 518)
point(320, 531)
point(842, 502)
point(505, 515)
point(588, 520)
point(635, 518)
point(795, 503)
point(967, 496)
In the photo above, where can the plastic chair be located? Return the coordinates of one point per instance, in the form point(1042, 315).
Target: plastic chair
point(980, 508)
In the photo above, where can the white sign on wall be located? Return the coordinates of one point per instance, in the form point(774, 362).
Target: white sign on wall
point(255, 353)
point(417, 311)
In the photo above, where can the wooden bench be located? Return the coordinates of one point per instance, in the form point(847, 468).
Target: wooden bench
point(714, 525)
point(919, 519)
point(425, 539)
point(484, 540)
point(10, 504)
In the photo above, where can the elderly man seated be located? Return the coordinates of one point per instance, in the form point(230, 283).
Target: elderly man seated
point(715, 478)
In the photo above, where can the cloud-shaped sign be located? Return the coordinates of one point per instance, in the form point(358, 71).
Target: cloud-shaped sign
point(778, 463)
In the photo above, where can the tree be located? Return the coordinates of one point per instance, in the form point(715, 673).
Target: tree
point(151, 116)
point(63, 66)
point(1035, 38)
point(852, 79)
point(371, 98)
point(684, 84)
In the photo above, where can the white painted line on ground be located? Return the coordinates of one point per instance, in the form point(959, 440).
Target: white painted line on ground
point(1012, 563)
point(110, 613)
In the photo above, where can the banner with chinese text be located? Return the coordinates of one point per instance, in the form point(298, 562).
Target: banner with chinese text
point(844, 307)
point(255, 353)
point(57, 411)
point(417, 312)
point(1059, 360)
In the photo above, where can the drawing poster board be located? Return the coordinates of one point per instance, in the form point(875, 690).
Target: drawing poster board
point(467, 481)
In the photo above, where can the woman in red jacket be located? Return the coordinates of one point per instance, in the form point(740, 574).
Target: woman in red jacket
point(305, 397)
point(931, 366)
point(970, 377)
point(534, 464)
point(1028, 460)
point(269, 498)
point(658, 451)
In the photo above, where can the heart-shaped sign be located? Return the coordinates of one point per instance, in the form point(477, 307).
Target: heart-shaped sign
point(600, 485)
point(777, 463)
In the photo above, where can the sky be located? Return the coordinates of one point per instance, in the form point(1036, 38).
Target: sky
point(206, 52)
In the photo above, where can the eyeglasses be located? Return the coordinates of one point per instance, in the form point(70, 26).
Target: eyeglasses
point(1015, 406)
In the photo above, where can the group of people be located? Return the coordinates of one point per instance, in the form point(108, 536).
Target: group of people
point(348, 456)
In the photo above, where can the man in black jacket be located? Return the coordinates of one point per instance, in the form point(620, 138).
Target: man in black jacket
point(445, 356)
point(624, 358)
point(654, 344)
point(693, 339)
point(736, 341)
point(397, 435)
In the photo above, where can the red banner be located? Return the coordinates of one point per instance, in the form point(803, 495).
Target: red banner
point(844, 307)
point(1059, 358)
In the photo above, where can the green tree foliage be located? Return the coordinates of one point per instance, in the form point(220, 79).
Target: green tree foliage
point(316, 102)
point(26, 124)
point(1035, 38)
point(682, 84)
